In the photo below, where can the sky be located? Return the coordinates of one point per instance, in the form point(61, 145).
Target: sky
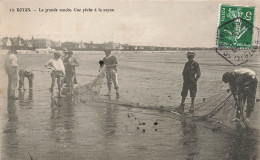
point(172, 23)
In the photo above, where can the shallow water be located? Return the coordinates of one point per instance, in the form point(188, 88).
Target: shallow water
point(87, 127)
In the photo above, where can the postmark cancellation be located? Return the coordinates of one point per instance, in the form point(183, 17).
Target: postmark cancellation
point(235, 34)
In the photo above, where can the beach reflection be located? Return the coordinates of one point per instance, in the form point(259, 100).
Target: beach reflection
point(190, 138)
point(11, 138)
point(62, 119)
point(26, 98)
point(110, 121)
point(243, 144)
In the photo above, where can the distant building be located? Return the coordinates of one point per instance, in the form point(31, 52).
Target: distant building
point(140, 48)
point(90, 46)
point(152, 48)
point(116, 46)
point(18, 42)
point(100, 47)
point(125, 47)
point(8, 42)
point(109, 45)
point(132, 48)
point(82, 45)
point(29, 44)
point(55, 44)
point(113, 45)
point(70, 45)
point(43, 43)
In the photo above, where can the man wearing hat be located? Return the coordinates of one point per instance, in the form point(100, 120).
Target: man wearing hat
point(111, 63)
point(243, 85)
point(58, 70)
point(11, 66)
point(191, 74)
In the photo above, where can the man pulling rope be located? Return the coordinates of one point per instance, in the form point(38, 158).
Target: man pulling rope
point(243, 84)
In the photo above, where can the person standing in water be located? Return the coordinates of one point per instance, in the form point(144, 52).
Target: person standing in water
point(111, 63)
point(191, 73)
point(11, 68)
point(58, 71)
point(70, 64)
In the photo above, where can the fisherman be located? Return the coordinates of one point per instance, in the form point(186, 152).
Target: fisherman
point(111, 63)
point(29, 75)
point(191, 74)
point(243, 84)
point(11, 66)
point(66, 52)
point(70, 64)
point(58, 70)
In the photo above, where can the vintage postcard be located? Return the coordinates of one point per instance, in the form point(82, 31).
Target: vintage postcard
point(129, 79)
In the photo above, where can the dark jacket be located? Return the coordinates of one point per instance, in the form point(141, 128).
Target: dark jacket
point(191, 71)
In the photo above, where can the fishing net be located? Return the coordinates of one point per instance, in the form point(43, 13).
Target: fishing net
point(220, 107)
point(94, 87)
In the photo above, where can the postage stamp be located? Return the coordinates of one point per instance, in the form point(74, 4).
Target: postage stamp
point(235, 33)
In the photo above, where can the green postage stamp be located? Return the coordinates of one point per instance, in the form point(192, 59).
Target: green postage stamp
point(235, 26)
point(235, 33)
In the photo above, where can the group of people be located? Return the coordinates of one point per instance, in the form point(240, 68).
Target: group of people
point(242, 83)
point(63, 71)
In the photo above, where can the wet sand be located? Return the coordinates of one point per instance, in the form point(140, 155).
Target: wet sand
point(86, 126)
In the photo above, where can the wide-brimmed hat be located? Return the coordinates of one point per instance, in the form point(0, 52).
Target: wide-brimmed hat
point(190, 53)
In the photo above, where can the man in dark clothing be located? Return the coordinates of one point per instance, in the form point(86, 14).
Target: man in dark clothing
point(243, 84)
point(191, 74)
point(67, 56)
point(70, 63)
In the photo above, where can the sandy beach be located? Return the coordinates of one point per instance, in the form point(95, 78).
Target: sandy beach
point(88, 126)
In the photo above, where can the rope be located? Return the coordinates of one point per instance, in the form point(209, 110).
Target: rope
point(219, 107)
point(204, 104)
point(199, 105)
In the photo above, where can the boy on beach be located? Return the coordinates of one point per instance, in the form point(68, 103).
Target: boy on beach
point(111, 63)
point(191, 74)
point(58, 70)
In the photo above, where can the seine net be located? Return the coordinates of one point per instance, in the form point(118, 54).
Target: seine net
point(94, 86)
point(220, 107)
